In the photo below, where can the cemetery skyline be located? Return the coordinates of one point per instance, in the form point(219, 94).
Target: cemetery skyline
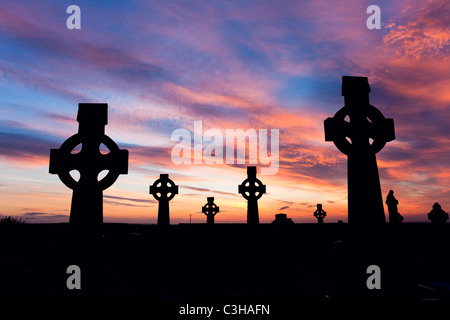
point(232, 65)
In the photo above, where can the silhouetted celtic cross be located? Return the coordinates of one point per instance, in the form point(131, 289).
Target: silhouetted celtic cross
point(87, 199)
point(163, 189)
point(353, 138)
point(365, 124)
point(210, 209)
point(252, 189)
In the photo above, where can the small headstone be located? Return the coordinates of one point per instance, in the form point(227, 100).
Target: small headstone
point(437, 215)
point(281, 219)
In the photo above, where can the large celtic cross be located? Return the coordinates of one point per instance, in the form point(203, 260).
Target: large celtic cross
point(360, 138)
point(87, 198)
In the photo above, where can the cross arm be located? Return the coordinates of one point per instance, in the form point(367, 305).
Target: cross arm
point(117, 159)
point(385, 130)
point(336, 128)
point(61, 162)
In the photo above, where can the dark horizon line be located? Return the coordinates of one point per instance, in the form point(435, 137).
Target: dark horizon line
point(217, 223)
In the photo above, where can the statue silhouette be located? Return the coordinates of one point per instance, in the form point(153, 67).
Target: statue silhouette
point(210, 209)
point(252, 189)
point(392, 202)
point(163, 190)
point(365, 202)
point(320, 214)
point(87, 197)
point(437, 215)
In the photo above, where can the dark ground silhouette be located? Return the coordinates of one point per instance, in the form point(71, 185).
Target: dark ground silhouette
point(223, 262)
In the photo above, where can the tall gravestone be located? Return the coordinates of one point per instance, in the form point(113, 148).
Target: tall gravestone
point(163, 190)
point(252, 189)
point(210, 209)
point(360, 138)
point(87, 197)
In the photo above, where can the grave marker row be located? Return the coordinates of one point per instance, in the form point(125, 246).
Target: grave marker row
point(353, 138)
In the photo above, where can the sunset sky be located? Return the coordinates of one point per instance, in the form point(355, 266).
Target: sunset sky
point(161, 65)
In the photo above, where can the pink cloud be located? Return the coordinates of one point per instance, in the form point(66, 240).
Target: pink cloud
point(427, 33)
